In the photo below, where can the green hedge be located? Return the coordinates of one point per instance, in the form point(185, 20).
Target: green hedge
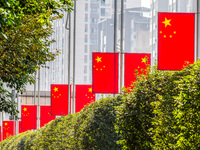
point(163, 111)
point(92, 128)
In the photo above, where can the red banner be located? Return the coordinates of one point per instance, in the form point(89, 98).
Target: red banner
point(45, 115)
point(84, 96)
point(59, 99)
point(29, 117)
point(105, 73)
point(20, 127)
point(7, 129)
point(176, 35)
point(133, 62)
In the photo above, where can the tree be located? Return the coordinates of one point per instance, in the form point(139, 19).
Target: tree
point(24, 43)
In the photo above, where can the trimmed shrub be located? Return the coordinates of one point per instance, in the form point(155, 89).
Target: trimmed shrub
point(162, 111)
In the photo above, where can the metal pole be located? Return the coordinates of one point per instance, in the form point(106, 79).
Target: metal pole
point(2, 125)
point(35, 90)
point(69, 60)
point(17, 122)
point(38, 106)
point(197, 40)
point(122, 39)
point(115, 37)
point(74, 54)
point(13, 99)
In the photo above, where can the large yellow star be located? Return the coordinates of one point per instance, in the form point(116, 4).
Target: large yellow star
point(55, 89)
point(90, 90)
point(144, 60)
point(98, 59)
point(25, 109)
point(6, 124)
point(167, 22)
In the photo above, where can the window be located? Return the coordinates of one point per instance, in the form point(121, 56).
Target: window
point(93, 31)
point(103, 12)
point(86, 50)
point(86, 7)
point(86, 39)
point(86, 28)
point(85, 59)
point(86, 17)
point(94, 20)
point(93, 41)
point(85, 69)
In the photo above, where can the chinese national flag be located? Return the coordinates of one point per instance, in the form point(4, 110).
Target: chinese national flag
point(59, 99)
point(105, 73)
point(84, 96)
point(29, 117)
point(7, 129)
point(45, 115)
point(175, 40)
point(20, 127)
point(133, 62)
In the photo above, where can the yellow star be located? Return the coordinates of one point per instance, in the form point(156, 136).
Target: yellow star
point(98, 59)
point(144, 60)
point(167, 22)
point(55, 89)
point(6, 124)
point(90, 90)
point(25, 109)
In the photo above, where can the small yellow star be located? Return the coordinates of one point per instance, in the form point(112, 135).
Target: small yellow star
point(90, 90)
point(98, 59)
point(160, 31)
point(25, 109)
point(170, 36)
point(55, 89)
point(174, 32)
point(164, 36)
point(167, 22)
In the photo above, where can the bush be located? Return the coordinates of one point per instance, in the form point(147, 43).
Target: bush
point(162, 111)
point(92, 128)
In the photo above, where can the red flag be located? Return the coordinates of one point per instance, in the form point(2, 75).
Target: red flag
point(105, 73)
point(20, 127)
point(133, 62)
point(59, 99)
point(175, 40)
point(29, 117)
point(45, 115)
point(84, 96)
point(7, 129)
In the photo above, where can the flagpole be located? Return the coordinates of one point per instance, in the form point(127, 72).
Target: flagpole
point(2, 125)
point(69, 59)
point(122, 37)
point(35, 90)
point(17, 122)
point(38, 106)
point(74, 54)
point(115, 39)
point(13, 99)
point(197, 40)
